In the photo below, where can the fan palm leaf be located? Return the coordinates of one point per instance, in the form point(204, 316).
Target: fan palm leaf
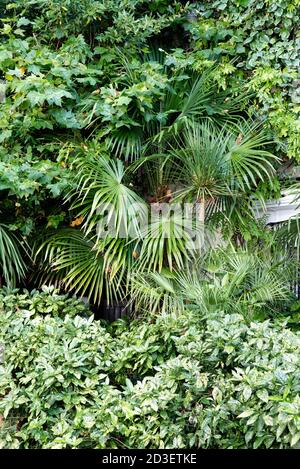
point(103, 199)
point(172, 238)
point(231, 281)
point(153, 292)
point(213, 164)
point(70, 259)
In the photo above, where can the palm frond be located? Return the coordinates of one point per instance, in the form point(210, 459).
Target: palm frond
point(71, 260)
point(200, 101)
point(171, 239)
point(249, 159)
point(12, 257)
point(154, 292)
point(68, 258)
point(225, 280)
point(216, 167)
point(126, 142)
point(104, 200)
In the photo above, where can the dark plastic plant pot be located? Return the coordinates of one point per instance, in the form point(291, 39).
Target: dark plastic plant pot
point(114, 311)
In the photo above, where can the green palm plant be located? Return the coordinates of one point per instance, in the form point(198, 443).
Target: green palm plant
point(170, 239)
point(101, 253)
point(155, 292)
point(71, 260)
point(199, 100)
point(218, 166)
point(215, 167)
point(101, 189)
point(67, 259)
point(12, 257)
point(130, 243)
point(254, 279)
point(225, 280)
point(174, 107)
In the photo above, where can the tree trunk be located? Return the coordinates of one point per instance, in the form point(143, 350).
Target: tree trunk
point(201, 205)
point(201, 221)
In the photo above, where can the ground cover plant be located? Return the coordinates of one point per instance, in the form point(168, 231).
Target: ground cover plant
point(183, 380)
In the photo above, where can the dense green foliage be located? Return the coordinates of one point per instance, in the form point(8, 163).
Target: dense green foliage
point(126, 79)
point(258, 40)
point(39, 303)
point(114, 114)
point(175, 381)
point(254, 284)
